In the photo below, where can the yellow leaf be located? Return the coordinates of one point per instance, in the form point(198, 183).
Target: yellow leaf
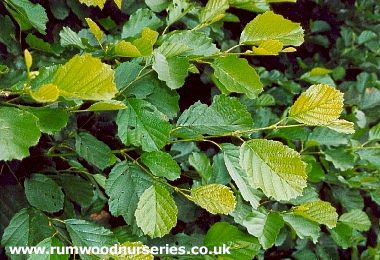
point(46, 93)
point(269, 47)
point(95, 30)
point(118, 3)
point(215, 198)
point(99, 3)
point(289, 49)
point(107, 106)
point(28, 59)
point(319, 105)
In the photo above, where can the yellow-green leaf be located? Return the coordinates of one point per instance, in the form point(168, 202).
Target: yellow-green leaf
point(342, 126)
point(45, 93)
point(318, 105)
point(95, 30)
point(319, 211)
point(85, 77)
point(273, 167)
point(142, 46)
point(270, 47)
point(28, 59)
point(99, 3)
point(271, 26)
point(215, 198)
point(107, 106)
point(213, 11)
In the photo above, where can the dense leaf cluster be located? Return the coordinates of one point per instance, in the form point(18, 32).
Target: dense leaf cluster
point(191, 123)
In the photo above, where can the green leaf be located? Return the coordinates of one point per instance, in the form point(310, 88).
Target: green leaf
point(124, 186)
point(94, 151)
point(371, 156)
point(303, 227)
point(85, 77)
point(99, 3)
point(48, 244)
point(319, 105)
point(43, 193)
point(141, 124)
point(225, 115)
point(187, 43)
point(237, 76)
point(50, 120)
point(201, 164)
point(137, 21)
point(172, 70)
point(77, 189)
point(70, 38)
point(342, 235)
point(162, 164)
point(176, 10)
point(27, 228)
point(12, 200)
point(264, 226)
point(356, 219)
point(366, 36)
point(156, 212)
point(38, 43)
point(27, 14)
point(341, 158)
point(273, 167)
point(240, 177)
point(18, 132)
point(156, 92)
point(271, 26)
point(213, 11)
point(8, 35)
point(325, 136)
point(242, 246)
point(215, 198)
point(87, 234)
point(107, 106)
point(220, 173)
point(318, 211)
point(374, 132)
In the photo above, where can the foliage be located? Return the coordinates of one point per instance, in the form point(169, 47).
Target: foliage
point(191, 123)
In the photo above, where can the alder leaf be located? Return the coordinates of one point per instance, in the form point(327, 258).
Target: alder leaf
point(161, 164)
point(213, 11)
point(237, 76)
point(319, 211)
point(271, 26)
point(98, 3)
point(356, 219)
point(43, 193)
point(274, 168)
point(318, 105)
point(156, 212)
point(18, 132)
point(85, 77)
point(27, 14)
point(95, 29)
point(172, 70)
point(225, 115)
point(141, 124)
point(265, 226)
point(215, 198)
